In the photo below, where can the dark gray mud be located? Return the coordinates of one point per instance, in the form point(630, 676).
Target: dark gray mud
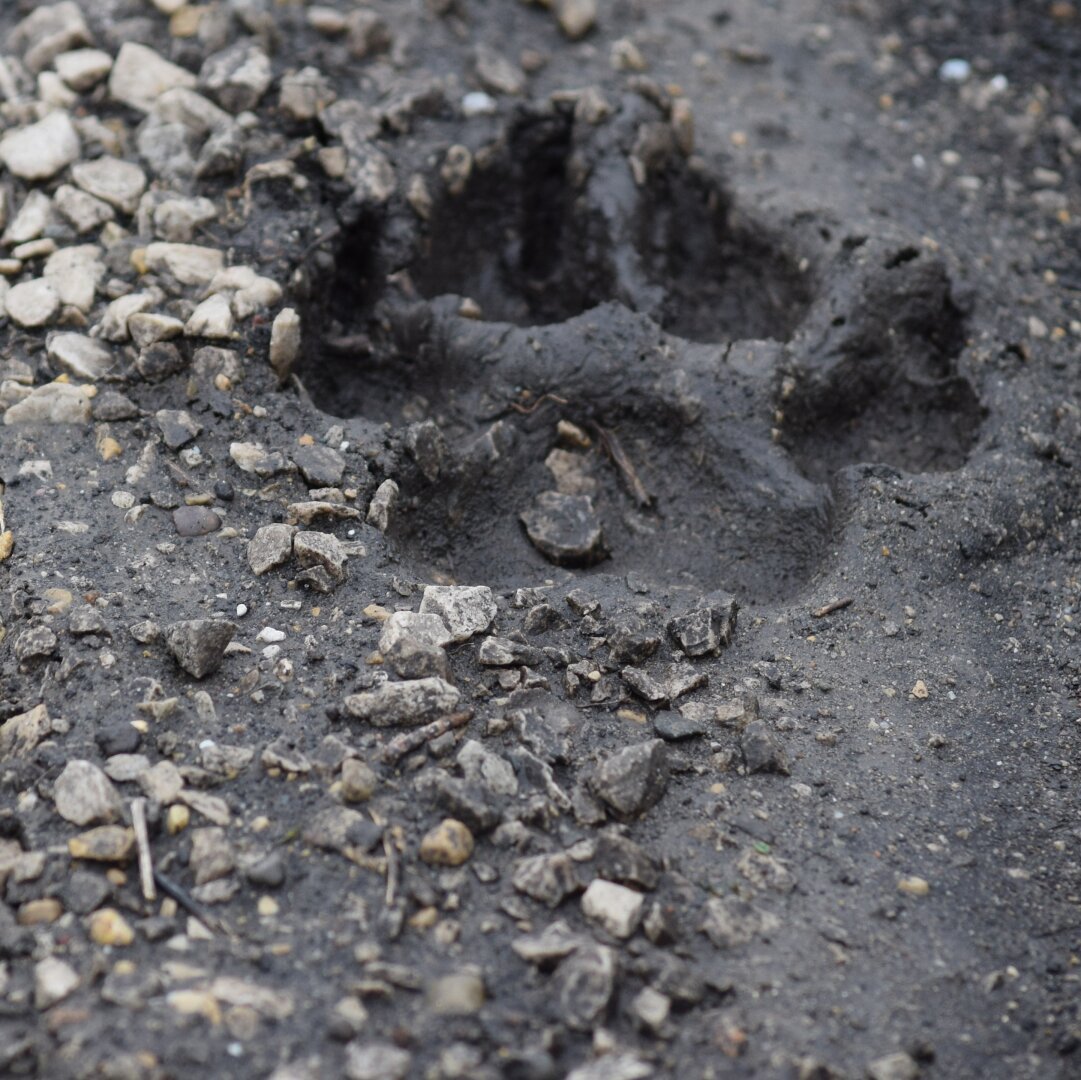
point(800, 319)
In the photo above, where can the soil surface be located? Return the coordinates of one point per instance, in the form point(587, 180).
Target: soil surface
point(540, 540)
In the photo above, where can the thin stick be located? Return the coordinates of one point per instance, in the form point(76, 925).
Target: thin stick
point(142, 840)
point(188, 903)
point(393, 869)
point(623, 463)
point(409, 741)
point(831, 607)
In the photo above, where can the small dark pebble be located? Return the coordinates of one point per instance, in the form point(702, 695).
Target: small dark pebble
point(118, 738)
point(268, 871)
point(195, 520)
point(224, 491)
point(671, 726)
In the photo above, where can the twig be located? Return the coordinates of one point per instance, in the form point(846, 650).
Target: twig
point(831, 607)
point(188, 903)
point(330, 234)
point(142, 840)
point(409, 741)
point(619, 458)
point(393, 869)
point(529, 410)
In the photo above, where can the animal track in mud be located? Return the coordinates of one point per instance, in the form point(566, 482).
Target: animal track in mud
point(602, 303)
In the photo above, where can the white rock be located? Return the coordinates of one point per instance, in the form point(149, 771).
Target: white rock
point(237, 77)
point(31, 220)
point(250, 292)
point(284, 342)
point(465, 609)
point(53, 981)
point(81, 356)
point(42, 149)
point(478, 103)
point(213, 318)
point(114, 323)
point(176, 219)
point(613, 907)
point(54, 403)
point(74, 273)
point(54, 92)
point(426, 629)
point(85, 212)
point(32, 303)
point(84, 795)
point(48, 31)
point(188, 263)
point(197, 114)
point(147, 328)
point(119, 183)
point(140, 76)
point(269, 635)
point(83, 69)
point(381, 508)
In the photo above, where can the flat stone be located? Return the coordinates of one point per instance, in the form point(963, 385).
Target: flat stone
point(106, 843)
point(423, 629)
point(162, 783)
point(32, 303)
point(270, 547)
point(83, 211)
point(483, 768)
point(74, 273)
point(212, 855)
point(178, 427)
point(196, 114)
point(673, 726)
point(237, 77)
point(140, 76)
point(119, 183)
point(543, 723)
point(148, 328)
point(340, 829)
point(53, 403)
point(634, 779)
point(176, 219)
point(556, 942)
point(408, 703)
point(565, 529)
point(31, 220)
point(504, 652)
point(730, 922)
point(549, 879)
point(83, 69)
point(450, 843)
point(321, 466)
point(253, 458)
point(84, 795)
point(615, 908)
point(618, 1066)
point(81, 356)
point(190, 264)
point(465, 609)
point(376, 1061)
point(198, 645)
point(54, 980)
point(42, 149)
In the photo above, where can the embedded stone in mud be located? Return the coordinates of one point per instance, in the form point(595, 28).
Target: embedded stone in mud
point(565, 529)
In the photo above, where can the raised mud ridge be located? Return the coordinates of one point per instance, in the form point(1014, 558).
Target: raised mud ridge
point(725, 370)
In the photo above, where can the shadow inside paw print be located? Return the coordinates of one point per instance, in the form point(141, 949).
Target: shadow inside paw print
point(592, 360)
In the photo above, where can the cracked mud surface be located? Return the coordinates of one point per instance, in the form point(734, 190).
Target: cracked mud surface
point(690, 313)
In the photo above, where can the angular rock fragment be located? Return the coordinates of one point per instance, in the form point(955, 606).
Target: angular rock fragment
point(403, 625)
point(237, 77)
point(549, 879)
point(198, 645)
point(615, 908)
point(321, 466)
point(762, 750)
point(565, 529)
point(707, 627)
point(41, 150)
point(408, 703)
point(119, 183)
point(321, 550)
point(381, 508)
point(84, 795)
point(21, 733)
point(586, 981)
point(731, 922)
point(410, 658)
point(465, 609)
point(140, 76)
point(634, 779)
point(81, 356)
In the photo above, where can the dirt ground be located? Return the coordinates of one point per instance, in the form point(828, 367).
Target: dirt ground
point(540, 539)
